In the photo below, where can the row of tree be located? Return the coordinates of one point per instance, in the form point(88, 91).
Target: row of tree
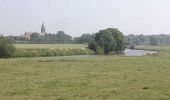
point(131, 39)
point(161, 39)
point(103, 42)
point(61, 38)
point(106, 41)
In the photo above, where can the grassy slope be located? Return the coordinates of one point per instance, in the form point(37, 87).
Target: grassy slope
point(96, 78)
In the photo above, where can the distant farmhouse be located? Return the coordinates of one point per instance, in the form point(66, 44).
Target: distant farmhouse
point(27, 35)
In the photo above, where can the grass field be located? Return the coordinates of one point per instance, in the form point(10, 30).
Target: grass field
point(49, 50)
point(158, 48)
point(86, 78)
point(52, 46)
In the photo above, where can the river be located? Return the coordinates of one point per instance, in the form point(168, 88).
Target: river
point(132, 52)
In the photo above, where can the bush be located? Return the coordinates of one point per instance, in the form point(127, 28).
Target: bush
point(7, 49)
point(107, 41)
point(131, 47)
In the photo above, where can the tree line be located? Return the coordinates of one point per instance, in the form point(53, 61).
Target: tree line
point(162, 39)
point(105, 41)
point(61, 38)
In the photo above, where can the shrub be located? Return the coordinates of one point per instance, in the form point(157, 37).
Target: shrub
point(107, 41)
point(131, 47)
point(7, 49)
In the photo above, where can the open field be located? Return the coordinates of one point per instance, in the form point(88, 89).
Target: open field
point(158, 48)
point(49, 50)
point(51, 46)
point(86, 78)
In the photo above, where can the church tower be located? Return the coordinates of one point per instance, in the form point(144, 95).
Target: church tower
point(43, 28)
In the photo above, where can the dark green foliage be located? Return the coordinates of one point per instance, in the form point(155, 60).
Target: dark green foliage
point(85, 38)
point(105, 41)
point(6, 48)
point(153, 41)
point(119, 40)
point(93, 46)
point(108, 40)
point(35, 36)
point(131, 39)
point(132, 47)
point(162, 39)
point(136, 39)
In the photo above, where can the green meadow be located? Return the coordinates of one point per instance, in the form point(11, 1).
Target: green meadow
point(112, 77)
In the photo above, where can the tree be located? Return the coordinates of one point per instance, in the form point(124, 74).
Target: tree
point(153, 41)
point(108, 40)
point(105, 41)
point(85, 38)
point(61, 37)
point(35, 36)
point(119, 40)
point(7, 49)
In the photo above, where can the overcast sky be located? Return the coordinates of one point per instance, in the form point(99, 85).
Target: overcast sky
point(76, 17)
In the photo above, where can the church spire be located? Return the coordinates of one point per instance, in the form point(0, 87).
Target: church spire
point(43, 28)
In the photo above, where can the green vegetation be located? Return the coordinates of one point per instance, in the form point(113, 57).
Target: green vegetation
point(61, 37)
point(6, 48)
point(50, 52)
point(35, 38)
point(107, 41)
point(161, 39)
point(84, 38)
point(157, 48)
point(87, 78)
point(153, 41)
point(47, 50)
point(51, 46)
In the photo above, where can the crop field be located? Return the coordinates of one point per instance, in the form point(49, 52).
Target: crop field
point(52, 46)
point(49, 50)
point(86, 77)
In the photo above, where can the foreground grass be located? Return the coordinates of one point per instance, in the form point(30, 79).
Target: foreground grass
point(86, 78)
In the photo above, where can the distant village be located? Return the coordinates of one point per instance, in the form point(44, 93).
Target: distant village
point(27, 35)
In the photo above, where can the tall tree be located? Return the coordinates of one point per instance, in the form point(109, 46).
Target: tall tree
point(153, 41)
point(108, 40)
point(85, 38)
point(119, 39)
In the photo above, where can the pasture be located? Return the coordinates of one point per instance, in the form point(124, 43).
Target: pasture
point(86, 78)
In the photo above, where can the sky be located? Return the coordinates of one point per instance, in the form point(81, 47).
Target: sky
point(76, 17)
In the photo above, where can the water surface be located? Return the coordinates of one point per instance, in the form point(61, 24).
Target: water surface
point(132, 52)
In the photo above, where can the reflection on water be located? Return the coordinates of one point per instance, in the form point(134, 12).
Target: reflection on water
point(130, 52)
